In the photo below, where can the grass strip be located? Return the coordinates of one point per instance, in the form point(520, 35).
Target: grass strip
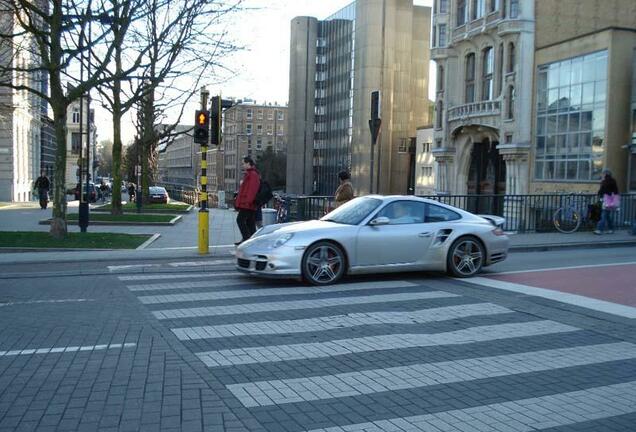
point(133, 207)
point(126, 217)
point(40, 239)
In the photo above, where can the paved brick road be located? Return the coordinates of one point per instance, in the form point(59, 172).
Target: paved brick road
point(216, 351)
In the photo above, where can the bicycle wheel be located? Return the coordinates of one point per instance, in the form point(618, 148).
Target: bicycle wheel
point(566, 220)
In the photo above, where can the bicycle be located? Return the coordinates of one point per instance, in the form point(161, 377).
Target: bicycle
point(282, 210)
point(568, 217)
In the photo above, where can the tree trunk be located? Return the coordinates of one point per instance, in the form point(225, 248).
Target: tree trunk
point(58, 224)
point(147, 144)
point(116, 200)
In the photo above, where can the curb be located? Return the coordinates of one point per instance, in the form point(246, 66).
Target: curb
point(147, 243)
point(152, 211)
point(578, 245)
point(114, 223)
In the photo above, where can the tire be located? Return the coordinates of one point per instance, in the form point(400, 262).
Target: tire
point(324, 263)
point(566, 220)
point(465, 257)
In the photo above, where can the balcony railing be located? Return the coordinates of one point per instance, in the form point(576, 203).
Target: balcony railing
point(475, 109)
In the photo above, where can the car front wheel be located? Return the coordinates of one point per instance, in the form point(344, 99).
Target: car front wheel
point(323, 263)
point(465, 257)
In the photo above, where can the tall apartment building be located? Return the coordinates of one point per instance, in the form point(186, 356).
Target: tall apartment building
point(248, 130)
point(179, 160)
point(335, 64)
point(532, 96)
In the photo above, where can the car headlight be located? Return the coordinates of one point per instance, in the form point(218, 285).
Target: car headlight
point(281, 240)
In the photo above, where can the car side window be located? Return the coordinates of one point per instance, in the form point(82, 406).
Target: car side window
point(404, 212)
point(435, 213)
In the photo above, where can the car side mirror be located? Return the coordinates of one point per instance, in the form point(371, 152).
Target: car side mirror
point(382, 220)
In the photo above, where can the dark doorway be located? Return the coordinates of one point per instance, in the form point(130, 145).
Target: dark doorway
point(486, 178)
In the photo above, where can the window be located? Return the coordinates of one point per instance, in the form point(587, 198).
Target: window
point(570, 119)
point(280, 115)
point(511, 58)
point(427, 172)
point(488, 65)
point(270, 115)
point(259, 144)
point(259, 114)
point(461, 12)
point(270, 129)
point(403, 146)
point(438, 143)
point(248, 128)
point(404, 212)
point(280, 130)
point(500, 59)
point(439, 114)
point(259, 129)
point(508, 138)
point(493, 5)
point(76, 142)
point(435, 213)
point(510, 100)
point(477, 9)
point(469, 94)
point(514, 8)
point(76, 115)
point(440, 78)
point(442, 35)
point(443, 6)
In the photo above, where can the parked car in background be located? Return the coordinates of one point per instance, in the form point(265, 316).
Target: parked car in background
point(92, 191)
point(158, 194)
point(375, 234)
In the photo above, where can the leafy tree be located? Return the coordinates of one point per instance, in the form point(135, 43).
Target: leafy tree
point(273, 168)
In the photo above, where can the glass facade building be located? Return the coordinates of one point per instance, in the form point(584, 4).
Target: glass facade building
point(333, 103)
point(570, 121)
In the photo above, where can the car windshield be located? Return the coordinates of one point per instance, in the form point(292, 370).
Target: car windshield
point(353, 212)
point(157, 190)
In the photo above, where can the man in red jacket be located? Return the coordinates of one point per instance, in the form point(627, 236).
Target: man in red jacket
point(244, 203)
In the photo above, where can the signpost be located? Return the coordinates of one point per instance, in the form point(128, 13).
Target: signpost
point(374, 127)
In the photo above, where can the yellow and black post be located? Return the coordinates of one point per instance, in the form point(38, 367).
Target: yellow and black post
point(202, 136)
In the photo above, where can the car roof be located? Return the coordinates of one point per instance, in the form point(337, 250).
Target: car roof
point(392, 198)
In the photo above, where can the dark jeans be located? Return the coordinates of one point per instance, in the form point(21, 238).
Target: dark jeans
point(44, 198)
point(246, 221)
point(606, 220)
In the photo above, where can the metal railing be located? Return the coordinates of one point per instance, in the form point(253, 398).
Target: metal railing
point(474, 109)
point(523, 213)
point(188, 196)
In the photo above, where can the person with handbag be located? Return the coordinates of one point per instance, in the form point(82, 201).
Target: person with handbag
point(610, 197)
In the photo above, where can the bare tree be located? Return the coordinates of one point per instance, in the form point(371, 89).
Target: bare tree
point(167, 52)
point(44, 40)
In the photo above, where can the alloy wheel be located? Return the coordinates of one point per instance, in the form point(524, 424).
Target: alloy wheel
point(466, 257)
point(323, 264)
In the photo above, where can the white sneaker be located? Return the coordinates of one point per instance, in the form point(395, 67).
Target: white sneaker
point(597, 232)
point(610, 232)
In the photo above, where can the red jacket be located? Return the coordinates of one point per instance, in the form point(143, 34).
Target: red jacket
point(247, 192)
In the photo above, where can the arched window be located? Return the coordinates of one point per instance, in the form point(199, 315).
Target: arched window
point(488, 67)
point(440, 78)
point(469, 93)
point(439, 114)
point(510, 99)
point(511, 57)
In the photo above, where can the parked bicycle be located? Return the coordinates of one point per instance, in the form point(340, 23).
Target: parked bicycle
point(573, 211)
point(282, 209)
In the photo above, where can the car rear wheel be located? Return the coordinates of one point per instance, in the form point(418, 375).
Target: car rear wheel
point(323, 263)
point(465, 257)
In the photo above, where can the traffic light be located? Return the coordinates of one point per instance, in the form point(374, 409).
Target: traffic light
point(202, 127)
point(215, 120)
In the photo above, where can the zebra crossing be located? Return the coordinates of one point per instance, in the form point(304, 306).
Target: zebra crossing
point(391, 355)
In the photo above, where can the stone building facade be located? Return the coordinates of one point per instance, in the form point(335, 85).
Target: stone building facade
point(335, 65)
point(531, 95)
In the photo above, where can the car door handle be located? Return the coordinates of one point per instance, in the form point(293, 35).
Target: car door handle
point(424, 234)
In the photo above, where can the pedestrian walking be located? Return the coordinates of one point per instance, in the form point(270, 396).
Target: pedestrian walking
point(344, 192)
point(131, 193)
point(245, 200)
point(103, 190)
point(610, 197)
point(42, 184)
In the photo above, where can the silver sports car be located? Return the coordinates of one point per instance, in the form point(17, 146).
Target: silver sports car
point(375, 234)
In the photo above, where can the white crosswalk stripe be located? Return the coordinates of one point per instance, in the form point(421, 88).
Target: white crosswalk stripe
point(277, 392)
point(164, 276)
point(337, 322)
point(547, 412)
point(298, 304)
point(220, 295)
point(304, 351)
point(175, 285)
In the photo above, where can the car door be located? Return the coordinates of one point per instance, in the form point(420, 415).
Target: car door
point(402, 242)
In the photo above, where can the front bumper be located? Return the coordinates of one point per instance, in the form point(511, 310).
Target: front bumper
point(283, 261)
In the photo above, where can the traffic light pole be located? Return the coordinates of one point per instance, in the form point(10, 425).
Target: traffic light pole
point(204, 218)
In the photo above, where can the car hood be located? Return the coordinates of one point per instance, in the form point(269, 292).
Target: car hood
point(293, 227)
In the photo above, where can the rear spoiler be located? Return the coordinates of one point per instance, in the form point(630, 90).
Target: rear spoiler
point(497, 221)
